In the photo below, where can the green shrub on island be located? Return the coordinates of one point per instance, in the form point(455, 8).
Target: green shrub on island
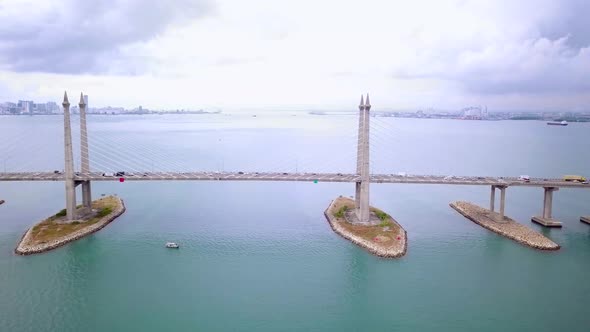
point(385, 223)
point(104, 212)
point(61, 213)
point(76, 222)
point(340, 213)
point(381, 215)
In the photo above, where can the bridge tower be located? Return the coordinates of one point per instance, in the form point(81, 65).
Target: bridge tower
point(85, 162)
point(362, 163)
point(359, 153)
point(69, 163)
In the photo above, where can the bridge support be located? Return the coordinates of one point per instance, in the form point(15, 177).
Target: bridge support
point(492, 198)
point(85, 162)
point(502, 203)
point(500, 216)
point(585, 219)
point(362, 188)
point(359, 154)
point(69, 163)
point(546, 219)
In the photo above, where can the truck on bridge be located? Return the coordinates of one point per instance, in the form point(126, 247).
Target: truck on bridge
point(571, 178)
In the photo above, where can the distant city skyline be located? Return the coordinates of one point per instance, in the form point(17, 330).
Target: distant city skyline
point(466, 113)
point(508, 55)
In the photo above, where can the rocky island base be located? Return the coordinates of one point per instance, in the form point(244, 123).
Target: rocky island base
point(383, 237)
point(508, 228)
point(56, 231)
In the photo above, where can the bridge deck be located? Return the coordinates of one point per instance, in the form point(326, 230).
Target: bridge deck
point(309, 177)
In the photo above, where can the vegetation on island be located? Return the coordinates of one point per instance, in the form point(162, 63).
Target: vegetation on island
point(387, 232)
point(56, 227)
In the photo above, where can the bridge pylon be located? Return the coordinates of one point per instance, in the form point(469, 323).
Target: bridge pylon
point(362, 164)
point(69, 163)
point(85, 162)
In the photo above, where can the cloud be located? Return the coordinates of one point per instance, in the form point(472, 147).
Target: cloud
point(446, 54)
point(514, 53)
point(571, 20)
point(528, 67)
point(86, 36)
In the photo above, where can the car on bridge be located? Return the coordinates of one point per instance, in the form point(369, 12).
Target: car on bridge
point(524, 178)
point(108, 174)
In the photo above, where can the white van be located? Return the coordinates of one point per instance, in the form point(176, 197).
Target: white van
point(524, 178)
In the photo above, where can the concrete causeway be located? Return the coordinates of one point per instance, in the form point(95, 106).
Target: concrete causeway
point(507, 227)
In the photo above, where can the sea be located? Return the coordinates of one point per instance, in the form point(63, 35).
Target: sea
point(260, 256)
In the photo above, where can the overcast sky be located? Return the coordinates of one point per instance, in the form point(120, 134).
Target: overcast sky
point(272, 54)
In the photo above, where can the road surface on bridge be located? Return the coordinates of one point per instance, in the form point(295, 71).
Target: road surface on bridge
point(305, 177)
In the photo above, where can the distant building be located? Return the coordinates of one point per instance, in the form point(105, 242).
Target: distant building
point(51, 107)
point(25, 106)
point(472, 112)
point(40, 108)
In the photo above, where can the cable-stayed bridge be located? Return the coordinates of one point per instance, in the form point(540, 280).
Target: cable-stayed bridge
point(284, 176)
point(110, 164)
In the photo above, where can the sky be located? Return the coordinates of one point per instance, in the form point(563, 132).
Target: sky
point(303, 54)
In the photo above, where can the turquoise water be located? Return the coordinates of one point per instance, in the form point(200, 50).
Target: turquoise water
point(260, 256)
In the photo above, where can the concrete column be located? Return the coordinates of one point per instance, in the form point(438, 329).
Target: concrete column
point(359, 154)
point(69, 163)
point(492, 198)
point(357, 196)
point(502, 203)
point(85, 162)
point(546, 219)
point(547, 202)
point(364, 213)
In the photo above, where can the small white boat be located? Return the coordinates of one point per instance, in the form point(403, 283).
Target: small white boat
point(172, 245)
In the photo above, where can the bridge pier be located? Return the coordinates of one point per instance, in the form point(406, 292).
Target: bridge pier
point(500, 216)
point(585, 219)
point(357, 196)
point(69, 163)
point(502, 203)
point(546, 219)
point(492, 198)
point(85, 161)
point(359, 155)
point(363, 212)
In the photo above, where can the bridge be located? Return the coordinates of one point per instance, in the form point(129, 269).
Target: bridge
point(293, 177)
point(362, 178)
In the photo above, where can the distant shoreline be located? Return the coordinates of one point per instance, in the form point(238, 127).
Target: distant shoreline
point(117, 114)
point(328, 114)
